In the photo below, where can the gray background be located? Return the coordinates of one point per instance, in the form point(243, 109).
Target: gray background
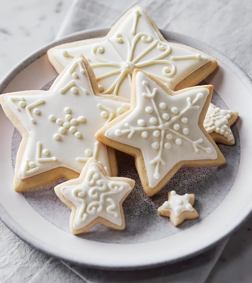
point(28, 24)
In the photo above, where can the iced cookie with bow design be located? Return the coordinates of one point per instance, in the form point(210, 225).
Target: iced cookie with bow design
point(58, 127)
point(136, 42)
point(217, 123)
point(178, 208)
point(95, 198)
point(163, 131)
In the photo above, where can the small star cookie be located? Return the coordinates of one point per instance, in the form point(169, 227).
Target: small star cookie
point(178, 208)
point(217, 123)
point(163, 130)
point(95, 198)
point(135, 42)
point(58, 127)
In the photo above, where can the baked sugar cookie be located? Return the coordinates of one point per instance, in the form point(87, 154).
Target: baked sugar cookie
point(217, 123)
point(136, 42)
point(163, 131)
point(178, 208)
point(95, 198)
point(58, 127)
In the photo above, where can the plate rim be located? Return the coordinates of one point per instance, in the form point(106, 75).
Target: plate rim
point(92, 33)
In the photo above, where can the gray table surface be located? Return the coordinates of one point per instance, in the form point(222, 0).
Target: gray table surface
point(225, 25)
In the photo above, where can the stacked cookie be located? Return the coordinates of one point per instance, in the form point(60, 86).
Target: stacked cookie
point(131, 91)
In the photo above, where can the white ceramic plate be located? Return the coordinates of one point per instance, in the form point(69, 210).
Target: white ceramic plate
point(224, 194)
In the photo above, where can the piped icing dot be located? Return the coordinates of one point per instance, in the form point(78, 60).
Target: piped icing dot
point(200, 95)
point(68, 117)
point(73, 122)
point(72, 129)
point(144, 134)
point(209, 150)
point(173, 193)
point(67, 110)
point(155, 145)
point(149, 109)
point(36, 111)
point(57, 137)
point(198, 56)
point(88, 152)
point(162, 105)
point(153, 120)
point(169, 136)
point(120, 110)
point(167, 145)
point(52, 118)
point(175, 110)
point(22, 104)
point(189, 207)
point(141, 122)
point(178, 141)
point(117, 132)
point(66, 125)
point(176, 127)
point(74, 90)
point(75, 75)
point(81, 119)
point(104, 114)
point(184, 120)
point(59, 122)
point(32, 164)
point(62, 130)
point(46, 152)
point(78, 135)
point(179, 201)
point(166, 116)
point(185, 131)
point(156, 134)
point(166, 204)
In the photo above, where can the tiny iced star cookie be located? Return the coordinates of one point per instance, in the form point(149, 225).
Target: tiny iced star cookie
point(217, 123)
point(95, 197)
point(163, 130)
point(178, 208)
point(136, 42)
point(58, 127)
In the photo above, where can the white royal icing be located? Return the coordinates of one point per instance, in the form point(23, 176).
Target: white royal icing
point(135, 44)
point(178, 203)
point(96, 196)
point(170, 133)
point(216, 120)
point(62, 123)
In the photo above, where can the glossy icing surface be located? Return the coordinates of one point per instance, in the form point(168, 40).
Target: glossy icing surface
point(62, 122)
point(135, 44)
point(165, 128)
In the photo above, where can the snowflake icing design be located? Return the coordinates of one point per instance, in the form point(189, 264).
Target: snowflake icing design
point(165, 132)
point(135, 44)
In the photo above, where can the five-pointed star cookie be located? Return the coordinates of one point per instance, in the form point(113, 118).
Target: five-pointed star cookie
point(217, 123)
point(163, 130)
point(95, 198)
point(178, 208)
point(58, 127)
point(136, 42)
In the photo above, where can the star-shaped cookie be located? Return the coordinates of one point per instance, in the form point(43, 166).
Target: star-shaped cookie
point(95, 198)
point(163, 130)
point(58, 127)
point(217, 123)
point(136, 42)
point(178, 208)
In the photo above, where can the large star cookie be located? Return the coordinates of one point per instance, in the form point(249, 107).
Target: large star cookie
point(163, 130)
point(135, 42)
point(178, 208)
point(95, 198)
point(217, 123)
point(58, 127)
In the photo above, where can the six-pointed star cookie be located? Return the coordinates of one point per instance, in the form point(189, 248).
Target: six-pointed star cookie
point(135, 42)
point(163, 130)
point(95, 198)
point(217, 123)
point(58, 127)
point(178, 208)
